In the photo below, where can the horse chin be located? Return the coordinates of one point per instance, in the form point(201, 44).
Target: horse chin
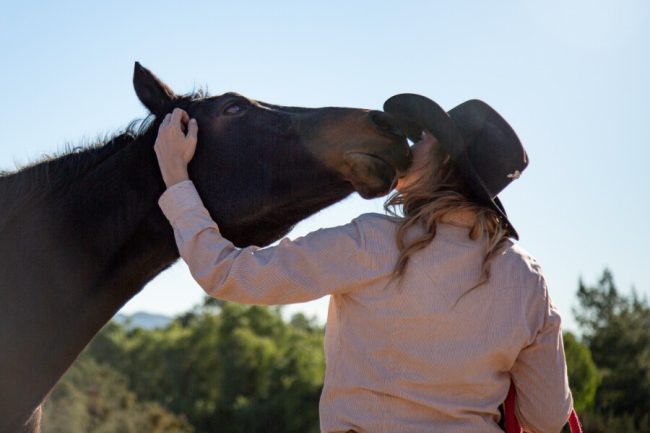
point(370, 175)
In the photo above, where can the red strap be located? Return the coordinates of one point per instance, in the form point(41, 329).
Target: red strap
point(574, 422)
point(512, 424)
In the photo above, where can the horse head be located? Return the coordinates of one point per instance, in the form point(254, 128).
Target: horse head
point(260, 167)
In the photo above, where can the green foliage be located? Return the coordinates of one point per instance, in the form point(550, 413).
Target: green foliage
point(95, 398)
point(617, 331)
point(226, 367)
point(608, 423)
point(584, 377)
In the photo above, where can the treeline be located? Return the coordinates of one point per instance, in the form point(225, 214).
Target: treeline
point(220, 368)
point(230, 368)
point(613, 391)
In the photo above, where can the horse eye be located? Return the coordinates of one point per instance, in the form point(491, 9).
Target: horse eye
point(234, 108)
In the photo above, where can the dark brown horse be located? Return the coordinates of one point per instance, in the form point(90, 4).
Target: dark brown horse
point(82, 233)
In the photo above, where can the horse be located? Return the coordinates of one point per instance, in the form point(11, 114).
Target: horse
point(81, 233)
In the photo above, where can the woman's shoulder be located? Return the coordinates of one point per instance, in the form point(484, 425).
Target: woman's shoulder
point(521, 277)
point(516, 253)
point(517, 266)
point(376, 223)
point(378, 231)
point(376, 218)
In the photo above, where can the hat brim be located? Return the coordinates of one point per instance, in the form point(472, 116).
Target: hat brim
point(415, 114)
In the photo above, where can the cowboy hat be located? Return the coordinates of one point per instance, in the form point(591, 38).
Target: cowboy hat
point(481, 143)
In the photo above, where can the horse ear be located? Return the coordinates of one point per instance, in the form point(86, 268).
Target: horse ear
point(152, 92)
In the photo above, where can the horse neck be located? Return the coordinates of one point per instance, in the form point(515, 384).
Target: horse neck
point(89, 240)
point(110, 229)
point(125, 232)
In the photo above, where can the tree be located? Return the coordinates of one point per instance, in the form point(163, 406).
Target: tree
point(92, 397)
point(227, 367)
point(617, 331)
point(584, 377)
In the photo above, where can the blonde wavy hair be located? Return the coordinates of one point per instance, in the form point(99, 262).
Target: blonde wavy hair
point(440, 190)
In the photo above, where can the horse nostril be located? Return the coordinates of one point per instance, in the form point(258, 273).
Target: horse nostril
point(384, 122)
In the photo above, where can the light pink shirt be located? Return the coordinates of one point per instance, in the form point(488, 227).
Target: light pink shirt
point(414, 356)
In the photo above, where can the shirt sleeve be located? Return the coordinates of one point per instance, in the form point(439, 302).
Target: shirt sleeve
point(326, 261)
point(544, 400)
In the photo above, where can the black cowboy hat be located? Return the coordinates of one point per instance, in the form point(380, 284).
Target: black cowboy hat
point(481, 143)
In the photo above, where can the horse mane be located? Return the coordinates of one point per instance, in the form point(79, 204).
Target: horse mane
point(30, 184)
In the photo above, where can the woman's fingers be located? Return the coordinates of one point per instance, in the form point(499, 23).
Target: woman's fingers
point(185, 117)
point(192, 130)
point(166, 120)
point(180, 120)
point(174, 148)
point(179, 116)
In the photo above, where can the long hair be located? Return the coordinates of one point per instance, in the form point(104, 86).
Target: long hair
point(441, 189)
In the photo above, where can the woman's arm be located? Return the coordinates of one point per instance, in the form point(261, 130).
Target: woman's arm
point(544, 399)
point(324, 262)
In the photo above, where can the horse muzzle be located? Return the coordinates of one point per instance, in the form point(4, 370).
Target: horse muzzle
point(370, 175)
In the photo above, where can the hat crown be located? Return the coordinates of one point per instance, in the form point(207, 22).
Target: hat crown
point(492, 146)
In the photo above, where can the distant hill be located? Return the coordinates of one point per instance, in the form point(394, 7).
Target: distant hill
point(143, 320)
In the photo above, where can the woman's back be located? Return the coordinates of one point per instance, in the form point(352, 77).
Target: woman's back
point(431, 353)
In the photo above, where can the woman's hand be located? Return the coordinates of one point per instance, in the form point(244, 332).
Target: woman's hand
point(174, 148)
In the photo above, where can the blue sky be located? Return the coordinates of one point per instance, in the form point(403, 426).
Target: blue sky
point(573, 78)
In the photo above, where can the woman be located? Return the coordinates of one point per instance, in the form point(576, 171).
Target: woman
point(432, 314)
